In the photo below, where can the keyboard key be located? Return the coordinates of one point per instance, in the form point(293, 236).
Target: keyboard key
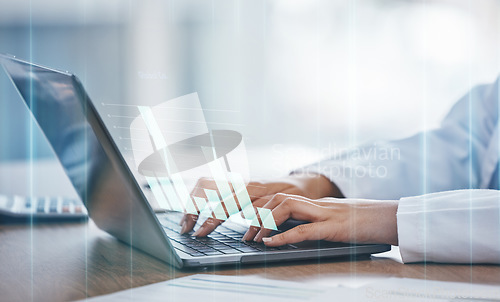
point(53, 205)
point(247, 249)
point(255, 245)
point(213, 253)
point(41, 205)
point(229, 251)
point(207, 241)
point(28, 203)
point(184, 248)
point(217, 236)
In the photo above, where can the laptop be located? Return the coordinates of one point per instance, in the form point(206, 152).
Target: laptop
point(117, 199)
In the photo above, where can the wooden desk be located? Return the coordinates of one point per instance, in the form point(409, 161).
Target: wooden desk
point(60, 262)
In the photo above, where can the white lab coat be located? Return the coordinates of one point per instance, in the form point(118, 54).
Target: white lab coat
point(460, 160)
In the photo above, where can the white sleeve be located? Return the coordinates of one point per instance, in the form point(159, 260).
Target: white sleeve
point(457, 155)
point(455, 226)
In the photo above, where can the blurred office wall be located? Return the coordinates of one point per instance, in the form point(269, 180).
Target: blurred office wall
point(312, 73)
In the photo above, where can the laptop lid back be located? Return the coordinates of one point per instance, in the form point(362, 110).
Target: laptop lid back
point(89, 156)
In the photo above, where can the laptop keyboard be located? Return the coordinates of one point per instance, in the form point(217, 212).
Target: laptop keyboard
point(221, 241)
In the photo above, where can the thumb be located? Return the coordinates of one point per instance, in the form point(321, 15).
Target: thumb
point(309, 231)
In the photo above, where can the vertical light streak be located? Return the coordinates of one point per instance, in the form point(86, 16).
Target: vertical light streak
point(85, 171)
point(424, 134)
point(470, 149)
point(352, 97)
point(31, 152)
point(498, 115)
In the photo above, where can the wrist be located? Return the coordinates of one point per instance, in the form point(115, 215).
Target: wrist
point(316, 185)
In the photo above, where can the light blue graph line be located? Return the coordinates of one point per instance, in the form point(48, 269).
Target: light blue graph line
point(181, 201)
point(191, 209)
point(221, 182)
point(157, 192)
point(217, 209)
point(201, 203)
point(179, 184)
point(171, 196)
point(244, 200)
point(267, 219)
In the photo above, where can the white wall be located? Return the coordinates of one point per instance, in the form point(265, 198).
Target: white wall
point(313, 73)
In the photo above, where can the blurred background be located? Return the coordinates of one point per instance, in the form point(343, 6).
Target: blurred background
point(298, 78)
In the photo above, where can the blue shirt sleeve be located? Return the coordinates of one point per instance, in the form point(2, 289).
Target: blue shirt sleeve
point(461, 154)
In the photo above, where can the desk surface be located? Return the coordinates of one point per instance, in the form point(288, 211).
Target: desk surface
point(60, 262)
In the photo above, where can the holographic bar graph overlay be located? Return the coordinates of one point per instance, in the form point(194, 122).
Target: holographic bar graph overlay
point(201, 203)
point(267, 219)
point(191, 209)
point(172, 193)
point(153, 128)
point(179, 184)
point(169, 190)
point(179, 201)
point(217, 208)
point(157, 192)
point(219, 177)
point(244, 200)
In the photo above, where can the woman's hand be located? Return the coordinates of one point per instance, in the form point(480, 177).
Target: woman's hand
point(341, 220)
point(311, 185)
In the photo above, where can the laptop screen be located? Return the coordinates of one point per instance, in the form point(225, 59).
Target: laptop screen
point(86, 151)
point(57, 105)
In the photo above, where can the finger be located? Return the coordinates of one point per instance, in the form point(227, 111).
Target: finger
point(260, 201)
point(310, 231)
point(296, 208)
point(188, 223)
point(225, 203)
point(257, 189)
point(190, 220)
point(268, 202)
point(202, 184)
point(250, 233)
point(182, 220)
point(207, 227)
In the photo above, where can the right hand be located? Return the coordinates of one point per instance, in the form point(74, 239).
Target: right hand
point(312, 186)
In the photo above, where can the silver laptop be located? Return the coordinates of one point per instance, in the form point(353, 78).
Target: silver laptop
point(117, 200)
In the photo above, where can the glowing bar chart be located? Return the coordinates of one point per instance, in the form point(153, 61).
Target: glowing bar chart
point(213, 199)
point(201, 203)
point(178, 195)
point(221, 182)
point(243, 198)
point(157, 192)
point(171, 192)
point(267, 219)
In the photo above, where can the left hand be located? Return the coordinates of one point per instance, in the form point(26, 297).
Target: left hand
point(332, 219)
